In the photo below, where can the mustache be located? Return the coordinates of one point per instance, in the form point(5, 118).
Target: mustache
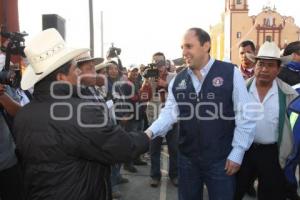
point(263, 75)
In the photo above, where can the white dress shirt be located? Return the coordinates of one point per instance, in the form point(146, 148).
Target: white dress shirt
point(245, 120)
point(266, 131)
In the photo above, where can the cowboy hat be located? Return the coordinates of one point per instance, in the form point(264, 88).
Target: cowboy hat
point(86, 57)
point(101, 66)
point(269, 51)
point(106, 64)
point(45, 53)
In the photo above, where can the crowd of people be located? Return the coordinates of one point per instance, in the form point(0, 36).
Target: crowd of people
point(74, 121)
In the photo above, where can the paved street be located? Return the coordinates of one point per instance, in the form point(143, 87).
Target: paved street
point(138, 188)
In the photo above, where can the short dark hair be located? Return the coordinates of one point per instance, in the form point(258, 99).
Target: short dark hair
point(159, 54)
point(202, 36)
point(63, 69)
point(247, 43)
point(293, 47)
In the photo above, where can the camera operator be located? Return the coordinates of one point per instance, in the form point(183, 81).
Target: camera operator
point(11, 100)
point(159, 88)
point(10, 74)
point(10, 174)
point(112, 56)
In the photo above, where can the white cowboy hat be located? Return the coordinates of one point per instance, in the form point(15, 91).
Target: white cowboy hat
point(106, 64)
point(45, 53)
point(86, 57)
point(101, 66)
point(269, 51)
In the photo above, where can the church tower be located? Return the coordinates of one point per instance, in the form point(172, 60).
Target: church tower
point(236, 26)
point(236, 16)
point(236, 5)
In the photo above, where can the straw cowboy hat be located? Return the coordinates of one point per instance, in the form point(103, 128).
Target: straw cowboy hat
point(269, 51)
point(86, 57)
point(106, 64)
point(101, 66)
point(45, 53)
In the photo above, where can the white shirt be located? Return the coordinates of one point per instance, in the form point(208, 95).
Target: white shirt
point(245, 121)
point(266, 131)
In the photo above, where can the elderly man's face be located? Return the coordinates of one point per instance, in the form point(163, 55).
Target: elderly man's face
point(266, 70)
point(72, 75)
point(88, 74)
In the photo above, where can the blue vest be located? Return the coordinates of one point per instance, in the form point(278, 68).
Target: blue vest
point(207, 134)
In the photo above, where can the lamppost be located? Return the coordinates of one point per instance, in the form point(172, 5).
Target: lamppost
point(91, 28)
point(102, 42)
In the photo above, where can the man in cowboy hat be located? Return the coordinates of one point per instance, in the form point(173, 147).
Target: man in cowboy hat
point(272, 144)
point(87, 64)
point(66, 143)
point(101, 79)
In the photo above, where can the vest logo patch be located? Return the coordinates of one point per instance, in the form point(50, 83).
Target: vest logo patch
point(181, 85)
point(218, 81)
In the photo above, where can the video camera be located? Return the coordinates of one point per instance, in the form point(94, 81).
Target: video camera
point(16, 43)
point(113, 52)
point(15, 46)
point(151, 70)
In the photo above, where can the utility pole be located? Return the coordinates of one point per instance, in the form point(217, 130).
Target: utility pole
point(91, 28)
point(102, 43)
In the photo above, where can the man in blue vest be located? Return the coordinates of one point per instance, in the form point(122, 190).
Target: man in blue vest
point(215, 130)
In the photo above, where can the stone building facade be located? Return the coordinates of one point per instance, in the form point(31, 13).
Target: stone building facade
point(236, 25)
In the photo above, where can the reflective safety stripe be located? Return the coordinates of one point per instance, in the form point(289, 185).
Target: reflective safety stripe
point(293, 118)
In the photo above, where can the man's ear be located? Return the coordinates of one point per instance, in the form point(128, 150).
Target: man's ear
point(206, 45)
